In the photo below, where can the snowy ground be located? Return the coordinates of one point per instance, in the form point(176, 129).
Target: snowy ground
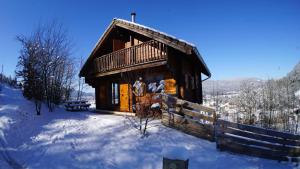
point(63, 139)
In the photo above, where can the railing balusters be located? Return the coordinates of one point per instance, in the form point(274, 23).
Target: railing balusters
point(112, 61)
point(106, 63)
point(101, 63)
point(114, 58)
point(152, 52)
point(156, 49)
point(98, 65)
point(109, 61)
point(139, 51)
point(143, 52)
point(138, 54)
point(148, 52)
point(118, 60)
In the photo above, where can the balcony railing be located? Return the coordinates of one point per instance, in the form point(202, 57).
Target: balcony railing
point(147, 52)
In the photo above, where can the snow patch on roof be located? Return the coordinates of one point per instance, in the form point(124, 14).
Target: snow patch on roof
point(155, 30)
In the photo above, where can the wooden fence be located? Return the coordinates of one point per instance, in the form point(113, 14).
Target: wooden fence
point(188, 117)
point(255, 141)
point(201, 121)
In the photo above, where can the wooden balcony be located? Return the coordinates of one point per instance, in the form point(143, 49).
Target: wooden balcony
point(148, 54)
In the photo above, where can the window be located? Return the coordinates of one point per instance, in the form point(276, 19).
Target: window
point(114, 93)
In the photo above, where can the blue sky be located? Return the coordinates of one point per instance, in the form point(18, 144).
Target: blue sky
point(243, 38)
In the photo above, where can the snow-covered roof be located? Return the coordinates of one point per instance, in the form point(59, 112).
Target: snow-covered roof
point(121, 22)
point(155, 30)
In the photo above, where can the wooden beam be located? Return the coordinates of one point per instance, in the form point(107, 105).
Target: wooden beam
point(131, 68)
point(258, 130)
point(196, 114)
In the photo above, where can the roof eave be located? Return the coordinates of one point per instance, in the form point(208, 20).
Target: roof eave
point(207, 71)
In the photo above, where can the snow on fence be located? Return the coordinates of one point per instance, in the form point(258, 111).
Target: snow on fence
point(191, 118)
point(255, 141)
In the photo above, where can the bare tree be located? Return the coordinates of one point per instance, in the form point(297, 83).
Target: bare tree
point(45, 62)
point(248, 101)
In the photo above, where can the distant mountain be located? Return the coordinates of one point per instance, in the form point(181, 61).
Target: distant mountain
point(233, 85)
point(228, 85)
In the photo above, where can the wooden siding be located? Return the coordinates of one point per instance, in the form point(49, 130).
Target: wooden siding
point(187, 75)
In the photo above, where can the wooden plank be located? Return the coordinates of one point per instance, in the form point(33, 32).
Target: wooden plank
point(197, 115)
point(188, 104)
point(160, 51)
point(188, 126)
point(195, 106)
point(258, 130)
point(257, 136)
point(283, 150)
point(228, 145)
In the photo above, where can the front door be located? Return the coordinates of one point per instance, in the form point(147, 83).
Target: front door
point(124, 97)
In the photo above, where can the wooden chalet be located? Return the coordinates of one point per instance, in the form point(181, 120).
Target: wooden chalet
point(127, 47)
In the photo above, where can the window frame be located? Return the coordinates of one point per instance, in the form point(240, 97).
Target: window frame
point(115, 93)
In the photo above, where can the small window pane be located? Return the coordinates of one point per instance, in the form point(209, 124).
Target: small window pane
point(115, 93)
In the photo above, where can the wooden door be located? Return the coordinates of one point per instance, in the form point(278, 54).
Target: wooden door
point(124, 97)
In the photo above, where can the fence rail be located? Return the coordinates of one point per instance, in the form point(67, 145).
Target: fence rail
point(147, 52)
point(188, 117)
point(255, 141)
